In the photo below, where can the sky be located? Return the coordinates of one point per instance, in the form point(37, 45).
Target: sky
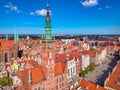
point(67, 16)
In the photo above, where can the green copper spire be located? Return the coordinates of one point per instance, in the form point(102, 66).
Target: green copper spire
point(17, 37)
point(14, 37)
point(48, 34)
point(6, 36)
point(29, 76)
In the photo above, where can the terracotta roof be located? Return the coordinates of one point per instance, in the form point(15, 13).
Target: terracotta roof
point(37, 74)
point(74, 54)
point(113, 78)
point(58, 67)
point(70, 46)
point(92, 53)
point(113, 85)
point(118, 47)
point(86, 84)
point(20, 73)
point(61, 57)
point(4, 43)
point(101, 88)
point(111, 47)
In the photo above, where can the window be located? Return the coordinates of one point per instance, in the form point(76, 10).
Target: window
point(57, 87)
point(12, 55)
point(60, 85)
point(63, 78)
point(63, 84)
point(6, 57)
point(73, 69)
point(57, 80)
point(38, 88)
point(68, 72)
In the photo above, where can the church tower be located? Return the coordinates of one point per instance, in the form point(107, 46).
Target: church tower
point(6, 36)
point(48, 35)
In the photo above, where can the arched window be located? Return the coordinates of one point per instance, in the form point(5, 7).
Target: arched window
point(6, 57)
point(12, 55)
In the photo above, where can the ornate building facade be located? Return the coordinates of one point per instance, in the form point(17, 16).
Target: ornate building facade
point(8, 50)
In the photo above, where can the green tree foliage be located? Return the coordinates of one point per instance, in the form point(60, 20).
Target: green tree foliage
point(91, 49)
point(82, 73)
point(91, 67)
point(4, 81)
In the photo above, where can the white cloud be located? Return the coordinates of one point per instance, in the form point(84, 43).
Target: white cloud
point(12, 7)
point(41, 12)
point(90, 3)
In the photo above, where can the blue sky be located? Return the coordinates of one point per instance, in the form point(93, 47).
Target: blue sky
point(67, 16)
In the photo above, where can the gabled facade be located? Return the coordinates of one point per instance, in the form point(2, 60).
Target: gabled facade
point(8, 50)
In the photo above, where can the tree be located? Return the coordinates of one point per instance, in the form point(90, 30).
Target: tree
point(4, 81)
point(10, 82)
point(91, 67)
point(91, 49)
point(82, 73)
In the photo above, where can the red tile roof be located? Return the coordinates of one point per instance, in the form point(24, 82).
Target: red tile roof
point(37, 74)
point(74, 54)
point(86, 84)
point(101, 88)
point(61, 57)
point(19, 73)
point(118, 47)
point(58, 68)
point(91, 53)
point(111, 47)
point(113, 78)
point(3, 43)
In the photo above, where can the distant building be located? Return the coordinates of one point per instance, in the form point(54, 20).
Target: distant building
point(87, 85)
point(51, 71)
point(3, 72)
point(113, 80)
point(8, 50)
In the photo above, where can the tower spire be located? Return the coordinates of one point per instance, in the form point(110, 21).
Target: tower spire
point(17, 37)
point(48, 35)
point(47, 4)
point(14, 36)
point(29, 76)
point(6, 36)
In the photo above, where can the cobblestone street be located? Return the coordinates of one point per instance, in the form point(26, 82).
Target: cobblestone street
point(101, 72)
